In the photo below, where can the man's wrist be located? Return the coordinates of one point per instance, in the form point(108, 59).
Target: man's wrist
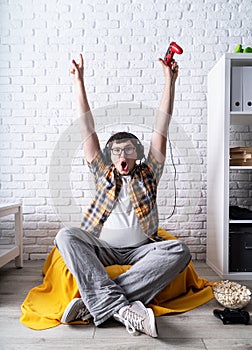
point(79, 82)
point(167, 80)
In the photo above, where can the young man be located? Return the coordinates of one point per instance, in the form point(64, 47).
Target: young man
point(118, 226)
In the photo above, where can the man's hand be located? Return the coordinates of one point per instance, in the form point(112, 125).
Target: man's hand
point(77, 69)
point(169, 73)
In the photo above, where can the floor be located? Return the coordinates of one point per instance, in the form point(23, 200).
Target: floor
point(196, 329)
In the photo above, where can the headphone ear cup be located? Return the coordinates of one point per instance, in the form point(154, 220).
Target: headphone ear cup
point(106, 154)
point(140, 151)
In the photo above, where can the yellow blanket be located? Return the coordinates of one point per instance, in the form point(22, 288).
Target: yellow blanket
point(45, 304)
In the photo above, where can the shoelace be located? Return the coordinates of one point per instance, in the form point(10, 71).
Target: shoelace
point(81, 313)
point(133, 322)
point(130, 329)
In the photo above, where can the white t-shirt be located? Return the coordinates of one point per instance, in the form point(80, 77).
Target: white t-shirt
point(122, 228)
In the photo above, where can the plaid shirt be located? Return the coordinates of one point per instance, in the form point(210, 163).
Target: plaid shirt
point(142, 194)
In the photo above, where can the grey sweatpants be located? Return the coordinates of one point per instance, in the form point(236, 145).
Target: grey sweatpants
point(155, 265)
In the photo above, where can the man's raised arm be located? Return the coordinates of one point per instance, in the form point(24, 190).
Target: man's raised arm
point(89, 137)
point(164, 113)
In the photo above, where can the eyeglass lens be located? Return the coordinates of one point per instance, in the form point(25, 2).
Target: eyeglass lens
point(127, 150)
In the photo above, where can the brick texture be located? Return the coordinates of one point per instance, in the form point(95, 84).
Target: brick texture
point(41, 158)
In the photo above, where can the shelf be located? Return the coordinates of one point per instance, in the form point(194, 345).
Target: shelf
point(240, 59)
point(240, 222)
point(240, 167)
point(8, 253)
point(247, 276)
point(237, 118)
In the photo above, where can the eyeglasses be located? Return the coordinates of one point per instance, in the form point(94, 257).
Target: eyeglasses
point(128, 150)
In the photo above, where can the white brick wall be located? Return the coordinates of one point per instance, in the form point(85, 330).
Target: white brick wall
point(121, 42)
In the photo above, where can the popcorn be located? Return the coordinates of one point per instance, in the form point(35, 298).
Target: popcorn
point(231, 294)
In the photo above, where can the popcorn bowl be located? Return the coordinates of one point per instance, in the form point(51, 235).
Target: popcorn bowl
point(231, 295)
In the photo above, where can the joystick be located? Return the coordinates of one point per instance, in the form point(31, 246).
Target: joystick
point(172, 49)
point(233, 316)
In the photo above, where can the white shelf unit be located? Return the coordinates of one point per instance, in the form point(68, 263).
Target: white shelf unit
point(220, 117)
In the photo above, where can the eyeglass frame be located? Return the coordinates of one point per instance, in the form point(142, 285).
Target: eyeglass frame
point(123, 150)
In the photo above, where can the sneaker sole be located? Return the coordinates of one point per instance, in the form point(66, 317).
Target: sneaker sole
point(154, 333)
point(72, 309)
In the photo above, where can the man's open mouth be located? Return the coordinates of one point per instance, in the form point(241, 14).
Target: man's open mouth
point(124, 165)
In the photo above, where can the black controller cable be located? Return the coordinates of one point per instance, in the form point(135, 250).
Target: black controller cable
point(156, 237)
point(171, 154)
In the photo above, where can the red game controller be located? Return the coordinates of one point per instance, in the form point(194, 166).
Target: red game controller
point(172, 49)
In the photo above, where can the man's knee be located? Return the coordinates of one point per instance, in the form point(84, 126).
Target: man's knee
point(62, 237)
point(70, 235)
point(185, 255)
point(186, 251)
point(180, 249)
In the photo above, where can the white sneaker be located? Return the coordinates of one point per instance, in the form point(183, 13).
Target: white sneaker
point(75, 310)
point(136, 317)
